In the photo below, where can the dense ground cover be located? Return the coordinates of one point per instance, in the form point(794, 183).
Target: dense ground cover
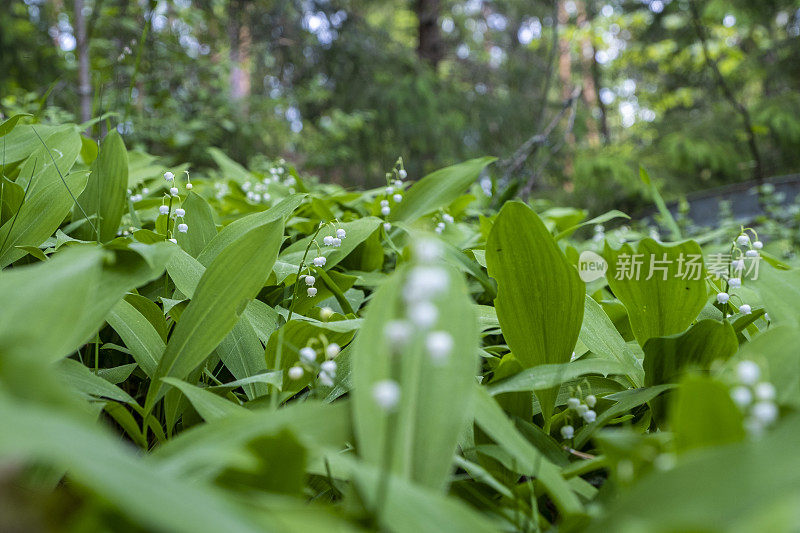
point(253, 350)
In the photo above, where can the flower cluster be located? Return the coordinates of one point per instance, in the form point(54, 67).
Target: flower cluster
point(394, 189)
point(756, 398)
point(179, 213)
point(324, 370)
point(335, 241)
point(584, 409)
point(319, 261)
point(137, 197)
point(446, 219)
point(257, 193)
point(743, 246)
point(425, 283)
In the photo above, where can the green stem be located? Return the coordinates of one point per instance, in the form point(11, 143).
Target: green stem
point(97, 353)
point(166, 274)
point(337, 292)
point(382, 491)
point(299, 270)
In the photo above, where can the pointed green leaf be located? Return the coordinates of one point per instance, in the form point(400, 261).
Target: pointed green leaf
point(540, 297)
point(104, 195)
point(39, 216)
point(666, 358)
point(138, 334)
point(232, 279)
point(602, 338)
point(8, 125)
point(661, 291)
point(200, 219)
point(438, 189)
point(282, 210)
point(704, 415)
point(209, 405)
point(435, 396)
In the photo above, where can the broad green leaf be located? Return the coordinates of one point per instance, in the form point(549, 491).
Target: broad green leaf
point(269, 378)
point(207, 449)
point(273, 463)
point(232, 279)
point(666, 358)
point(185, 271)
point(104, 195)
point(13, 195)
point(435, 398)
point(605, 217)
point(209, 405)
point(38, 217)
point(263, 318)
point(230, 168)
point(780, 292)
point(22, 141)
point(76, 283)
point(540, 297)
point(200, 219)
point(438, 189)
point(602, 338)
point(776, 350)
point(543, 377)
point(703, 415)
point(87, 382)
point(98, 461)
point(131, 265)
point(409, 507)
point(493, 421)
point(729, 488)
point(37, 298)
point(240, 350)
point(357, 232)
point(138, 334)
point(662, 286)
point(240, 226)
point(117, 374)
point(242, 353)
point(51, 159)
point(625, 401)
point(8, 125)
point(153, 313)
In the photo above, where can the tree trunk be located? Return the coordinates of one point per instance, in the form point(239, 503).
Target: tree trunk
point(565, 77)
point(430, 47)
point(82, 48)
point(239, 37)
point(589, 87)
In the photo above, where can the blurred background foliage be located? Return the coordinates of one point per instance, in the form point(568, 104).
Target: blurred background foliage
point(571, 95)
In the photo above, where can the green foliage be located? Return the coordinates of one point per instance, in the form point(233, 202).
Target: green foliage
point(412, 381)
point(103, 198)
point(540, 296)
point(661, 292)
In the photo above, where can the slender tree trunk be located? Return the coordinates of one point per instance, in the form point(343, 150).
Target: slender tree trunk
point(565, 77)
point(722, 83)
point(601, 105)
point(591, 77)
point(82, 48)
point(430, 47)
point(239, 37)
